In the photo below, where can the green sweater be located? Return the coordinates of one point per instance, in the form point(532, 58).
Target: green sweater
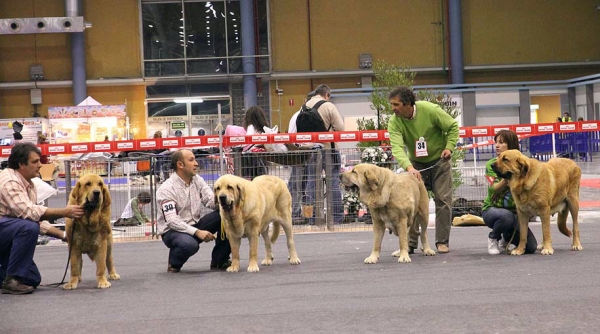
point(431, 122)
point(505, 201)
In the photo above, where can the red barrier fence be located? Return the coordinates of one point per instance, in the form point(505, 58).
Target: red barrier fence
point(523, 130)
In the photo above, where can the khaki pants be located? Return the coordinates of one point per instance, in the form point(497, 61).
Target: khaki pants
point(438, 180)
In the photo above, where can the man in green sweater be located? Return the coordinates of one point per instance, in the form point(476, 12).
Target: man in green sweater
point(423, 136)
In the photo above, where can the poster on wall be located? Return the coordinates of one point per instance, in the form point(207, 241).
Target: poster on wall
point(31, 127)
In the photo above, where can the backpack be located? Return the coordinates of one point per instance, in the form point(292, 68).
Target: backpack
point(309, 119)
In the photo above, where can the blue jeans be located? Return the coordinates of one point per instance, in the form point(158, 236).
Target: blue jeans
point(18, 238)
point(314, 175)
point(296, 186)
point(182, 245)
point(505, 223)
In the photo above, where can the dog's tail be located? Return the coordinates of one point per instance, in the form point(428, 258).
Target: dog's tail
point(561, 222)
point(276, 231)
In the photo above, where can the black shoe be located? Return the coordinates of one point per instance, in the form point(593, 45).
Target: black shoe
point(12, 286)
point(172, 270)
point(220, 266)
point(411, 250)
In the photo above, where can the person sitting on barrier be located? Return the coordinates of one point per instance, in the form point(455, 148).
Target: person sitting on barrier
point(22, 219)
point(499, 211)
point(134, 214)
point(188, 215)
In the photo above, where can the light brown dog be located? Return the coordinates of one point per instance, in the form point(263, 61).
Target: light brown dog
point(542, 189)
point(91, 234)
point(396, 201)
point(247, 208)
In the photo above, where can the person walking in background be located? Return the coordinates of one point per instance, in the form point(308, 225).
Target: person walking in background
point(297, 181)
point(428, 134)
point(332, 121)
point(22, 219)
point(188, 215)
point(134, 214)
point(499, 211)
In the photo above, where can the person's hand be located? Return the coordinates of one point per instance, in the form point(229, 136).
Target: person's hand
point(204, 235)
point(497, 195)
point(74, 211)
point(446, 154)
point(414, 172)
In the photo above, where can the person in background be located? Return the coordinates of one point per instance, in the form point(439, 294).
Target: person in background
point(333, 122)
point(42, 140)
point(567, 117)
point(161, 161)
point(188, 215)
point(559, 119)
point(423, 136)
point(499, 210)
point(134, 214)
point(297, 180)
point(580, 119)
point(255, 119)
point(22, 219)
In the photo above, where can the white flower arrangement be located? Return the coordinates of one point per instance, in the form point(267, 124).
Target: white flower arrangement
point(375, 155)
point(351, 202)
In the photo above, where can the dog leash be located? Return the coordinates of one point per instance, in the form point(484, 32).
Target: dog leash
point(56, 285)
point(424, 169)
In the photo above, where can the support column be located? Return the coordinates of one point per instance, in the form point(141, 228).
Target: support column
point(457, 74)
point(524, 106)
point(73, 8)
point(589, 102)
point(469, 109)
point(248, 52)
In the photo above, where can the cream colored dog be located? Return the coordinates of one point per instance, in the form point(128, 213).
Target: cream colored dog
point(396, 201)
point(247, 208)
point(542, 189)
point(92, 233)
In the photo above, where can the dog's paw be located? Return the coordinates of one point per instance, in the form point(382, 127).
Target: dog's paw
point(233, 269)
point(253, 268)
point(103, 283)
point(428, 252)
point(267, 262)
point(70, 286)
point(517, 251)
point(404, 258)
point(371, 260)
point(114, 277)
point(295, 260)
point(396, 253)
point(540, 247)
point(576, 247)
point(547, 251)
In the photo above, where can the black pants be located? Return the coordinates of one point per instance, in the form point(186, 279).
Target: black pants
point(182, 245)
point(504, 224)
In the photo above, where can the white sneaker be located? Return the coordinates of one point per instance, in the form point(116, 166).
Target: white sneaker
point(493, 247)
point(502, 245)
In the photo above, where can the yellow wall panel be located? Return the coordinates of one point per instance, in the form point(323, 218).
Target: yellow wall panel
point(549, 107)
point(289, 35)
point(532, 31)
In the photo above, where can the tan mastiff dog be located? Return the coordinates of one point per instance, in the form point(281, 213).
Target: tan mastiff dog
point(542, 189)
point(247, 208)
point(396, 201)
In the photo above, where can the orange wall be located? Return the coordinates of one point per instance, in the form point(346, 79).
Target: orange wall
point(549, 107)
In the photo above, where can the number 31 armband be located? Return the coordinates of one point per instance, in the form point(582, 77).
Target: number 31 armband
point(169, 209)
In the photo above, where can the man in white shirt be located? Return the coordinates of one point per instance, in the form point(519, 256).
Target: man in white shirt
point(187, 215)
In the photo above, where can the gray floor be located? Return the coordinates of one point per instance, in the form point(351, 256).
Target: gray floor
point(332, 291)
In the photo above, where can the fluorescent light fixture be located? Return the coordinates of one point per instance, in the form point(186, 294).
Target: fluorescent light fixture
point(188, 99)
point(534, 106)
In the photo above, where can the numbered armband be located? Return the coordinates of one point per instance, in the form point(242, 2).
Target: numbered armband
point(169, 209)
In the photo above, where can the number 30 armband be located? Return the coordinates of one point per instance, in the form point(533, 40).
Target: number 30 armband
point(169, 209)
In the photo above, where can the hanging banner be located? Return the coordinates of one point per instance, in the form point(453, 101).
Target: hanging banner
point(87, 111)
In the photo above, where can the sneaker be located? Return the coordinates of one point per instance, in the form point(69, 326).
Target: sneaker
point(493, 247)
point(12, 286)
point(220, 266)
point(502, 244)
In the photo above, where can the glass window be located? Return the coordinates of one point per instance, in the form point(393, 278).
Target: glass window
point(163, 28)
point(165, 109)
point(205, 29)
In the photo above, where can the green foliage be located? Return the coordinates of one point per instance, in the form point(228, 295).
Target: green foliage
point(389, 76)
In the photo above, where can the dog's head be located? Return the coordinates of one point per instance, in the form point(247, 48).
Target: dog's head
point(229, 192)
point(91, 193)
point(368, 182)
point(511, 163)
